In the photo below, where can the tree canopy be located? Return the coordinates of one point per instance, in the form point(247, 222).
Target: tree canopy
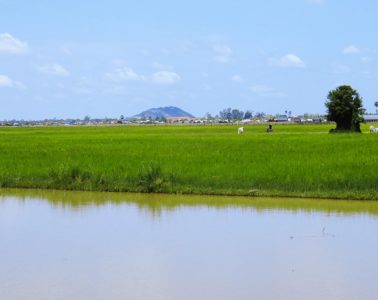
point(345, 108)
point(235, 114)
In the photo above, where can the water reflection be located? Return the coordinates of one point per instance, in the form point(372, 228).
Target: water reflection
point(75, 245)
point(155, 204)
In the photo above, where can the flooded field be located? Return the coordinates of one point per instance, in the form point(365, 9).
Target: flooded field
point(74, 245)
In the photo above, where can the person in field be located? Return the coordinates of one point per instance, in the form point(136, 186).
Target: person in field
point(270, 128)
point(240, 130)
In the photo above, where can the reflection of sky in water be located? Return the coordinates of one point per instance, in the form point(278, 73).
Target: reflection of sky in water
point(126, 250)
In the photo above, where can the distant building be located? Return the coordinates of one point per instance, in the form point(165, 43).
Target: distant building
point(297, 120)
point(69, 122)
point(282, 118)
point(182, 119)
point(371, 118)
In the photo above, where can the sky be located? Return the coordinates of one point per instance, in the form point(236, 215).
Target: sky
point(69, 59)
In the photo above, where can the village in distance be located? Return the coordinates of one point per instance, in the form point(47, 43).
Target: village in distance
point(175, 115)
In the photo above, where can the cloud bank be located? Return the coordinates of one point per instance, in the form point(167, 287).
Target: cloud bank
point(166, 77)
point(222, 53)
point(11, 45)
point(287, 61)
point(352, 49)
point(7, 82)
point(124, 74)
point(54, 69)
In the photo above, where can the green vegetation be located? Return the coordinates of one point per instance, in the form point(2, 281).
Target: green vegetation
point(345, 108)
point(296, 160)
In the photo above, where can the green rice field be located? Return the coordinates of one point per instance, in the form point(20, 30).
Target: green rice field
point(295, 160)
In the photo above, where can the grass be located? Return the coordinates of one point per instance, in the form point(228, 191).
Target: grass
point(296, 160)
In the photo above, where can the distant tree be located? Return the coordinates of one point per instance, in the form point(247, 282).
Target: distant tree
point(237, 114)
point(260, 115)
point(226, 114)
point(344, 107)
point(229, 114)
point(208, 116)
point(222, 114)
point(234, 114)
point(248, 114)
point(122, 117)
point(87, 118)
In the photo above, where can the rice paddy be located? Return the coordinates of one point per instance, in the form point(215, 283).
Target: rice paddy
point(295, 160)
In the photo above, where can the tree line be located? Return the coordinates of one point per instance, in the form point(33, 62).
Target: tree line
point(234, 114)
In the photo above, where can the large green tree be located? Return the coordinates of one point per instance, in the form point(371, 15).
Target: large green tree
point(345, 108)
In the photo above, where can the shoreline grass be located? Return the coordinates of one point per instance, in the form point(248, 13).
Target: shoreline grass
point(294, 161)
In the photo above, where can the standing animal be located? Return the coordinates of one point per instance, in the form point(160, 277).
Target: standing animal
point(240, 130)
point(373, 129)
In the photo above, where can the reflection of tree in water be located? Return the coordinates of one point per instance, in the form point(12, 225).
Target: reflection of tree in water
point(156, 204)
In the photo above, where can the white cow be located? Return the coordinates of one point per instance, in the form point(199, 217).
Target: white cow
point(373, 129)
point(240, 130)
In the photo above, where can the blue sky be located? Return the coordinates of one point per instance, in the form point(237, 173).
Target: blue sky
point(107, 58)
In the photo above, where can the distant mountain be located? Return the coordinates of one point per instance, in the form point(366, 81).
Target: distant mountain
point(163, 112)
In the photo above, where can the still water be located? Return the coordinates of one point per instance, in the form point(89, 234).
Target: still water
point(73, 245)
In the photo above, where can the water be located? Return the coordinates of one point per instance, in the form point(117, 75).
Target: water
point(73, 245)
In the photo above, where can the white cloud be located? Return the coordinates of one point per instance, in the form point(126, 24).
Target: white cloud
point(207, 87)
point(124, 74)
point(6, 82)
point(86, 86)
point(316, 2)
point(222, 53)
point(166, 77)
point(237, 78)
point(287, 61)
point(265, 91)
point(119, 63)
point(367, 59)
point(180, 48)
point(162, 67)
point(11, 45)
point(66, 50)
point(54, 69)
point(352, 49)
point(145, 52)
point(165, 51)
